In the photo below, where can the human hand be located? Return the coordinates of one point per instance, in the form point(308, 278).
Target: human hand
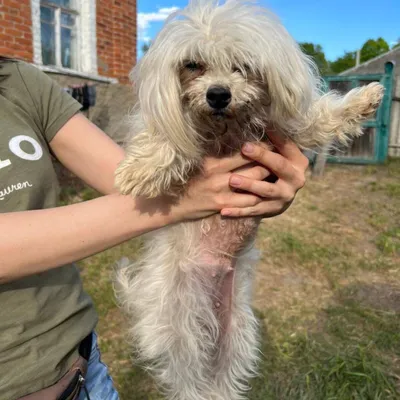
point(210, 192)
point(289, 167)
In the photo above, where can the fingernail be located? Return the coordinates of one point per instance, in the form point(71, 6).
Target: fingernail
point(235, 181)
point(248, 148)
point(226, 212)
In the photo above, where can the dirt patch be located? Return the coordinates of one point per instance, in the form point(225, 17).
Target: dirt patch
point(329, 241)
point(379, 296)
point(291, 293)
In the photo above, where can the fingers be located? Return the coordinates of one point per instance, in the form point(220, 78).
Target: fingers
point(273, 161)
point(255, 196)
point(259, 173)
point(263, 209)
point(288, 149)
point(236, 200)
point(222, 165)
point(279, 165)
point(225, 197)
point(260, 188)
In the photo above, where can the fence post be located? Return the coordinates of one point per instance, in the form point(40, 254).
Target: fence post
point(320, 162)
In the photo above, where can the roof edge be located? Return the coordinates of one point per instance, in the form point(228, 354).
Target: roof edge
point(397, 49)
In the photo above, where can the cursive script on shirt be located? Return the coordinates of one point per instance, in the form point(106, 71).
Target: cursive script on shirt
point(12, 188)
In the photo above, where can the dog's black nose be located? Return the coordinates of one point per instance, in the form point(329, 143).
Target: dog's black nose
point(218, 97)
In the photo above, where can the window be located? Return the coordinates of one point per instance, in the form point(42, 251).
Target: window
point(58, 25)
point(64, 35)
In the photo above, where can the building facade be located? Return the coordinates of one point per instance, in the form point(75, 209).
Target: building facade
point(87, 38)
point(78, 42)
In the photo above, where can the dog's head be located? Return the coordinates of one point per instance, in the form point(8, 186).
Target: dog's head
point(217, 64)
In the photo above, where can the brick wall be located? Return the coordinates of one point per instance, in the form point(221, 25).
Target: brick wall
point(16, 29)
point(116, 34)
point(116, 38)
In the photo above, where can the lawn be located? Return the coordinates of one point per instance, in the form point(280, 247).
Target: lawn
point(327, 293)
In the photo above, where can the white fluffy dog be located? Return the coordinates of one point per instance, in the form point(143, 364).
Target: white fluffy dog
point(216, 76)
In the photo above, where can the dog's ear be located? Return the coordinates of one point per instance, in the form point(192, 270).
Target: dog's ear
point(292, 81)
point(158, 91)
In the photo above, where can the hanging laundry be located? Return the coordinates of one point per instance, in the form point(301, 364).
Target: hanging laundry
point(85, 94)
point(92, 95)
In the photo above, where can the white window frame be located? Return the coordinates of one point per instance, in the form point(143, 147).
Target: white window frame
point(86, 41)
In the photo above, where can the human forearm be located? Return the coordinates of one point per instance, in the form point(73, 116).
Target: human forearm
point(34, 241)
point(88, 152)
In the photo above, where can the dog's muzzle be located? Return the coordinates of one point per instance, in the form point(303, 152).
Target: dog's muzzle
point(218, 97)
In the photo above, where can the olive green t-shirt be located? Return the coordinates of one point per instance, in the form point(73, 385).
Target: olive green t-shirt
point(42, 317)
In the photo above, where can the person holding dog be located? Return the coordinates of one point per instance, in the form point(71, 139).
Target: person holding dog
point(48, 346)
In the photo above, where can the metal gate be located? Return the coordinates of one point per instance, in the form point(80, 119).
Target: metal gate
point(372, 146)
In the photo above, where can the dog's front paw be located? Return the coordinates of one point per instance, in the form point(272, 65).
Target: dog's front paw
point(139, 178)
point(363, 102)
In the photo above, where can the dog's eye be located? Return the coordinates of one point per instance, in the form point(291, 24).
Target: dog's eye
point(242, 69)
point(193, 66)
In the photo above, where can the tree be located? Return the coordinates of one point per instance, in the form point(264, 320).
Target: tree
point(373, 48)
point(348, 60)
point(145, 47)
point(316, 52)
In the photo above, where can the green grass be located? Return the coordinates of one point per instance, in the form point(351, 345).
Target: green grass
point(304, 251)
point(327, 293)
point(391, 189)
point(76, 193)
point(316, 370)
point(352, 356)
point(389, 241)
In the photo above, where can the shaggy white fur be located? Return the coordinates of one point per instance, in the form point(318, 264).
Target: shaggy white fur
point(216, 76)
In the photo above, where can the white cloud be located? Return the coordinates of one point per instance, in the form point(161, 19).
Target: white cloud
point(144, 21)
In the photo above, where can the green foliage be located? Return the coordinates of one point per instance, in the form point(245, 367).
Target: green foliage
point(370, 49)
point(316, 52)
point(348, 60)
point(373, 48)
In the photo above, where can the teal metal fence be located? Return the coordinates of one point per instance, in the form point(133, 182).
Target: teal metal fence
point(372, 146)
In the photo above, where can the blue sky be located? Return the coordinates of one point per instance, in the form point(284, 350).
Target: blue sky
point(344, 27)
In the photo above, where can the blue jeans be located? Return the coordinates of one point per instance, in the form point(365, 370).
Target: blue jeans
point(98, 382)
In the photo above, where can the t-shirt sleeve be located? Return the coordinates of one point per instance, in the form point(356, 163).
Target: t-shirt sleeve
point(53, 106)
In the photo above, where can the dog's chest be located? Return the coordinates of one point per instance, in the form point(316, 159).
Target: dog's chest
point(228, 236)
point(227, 138)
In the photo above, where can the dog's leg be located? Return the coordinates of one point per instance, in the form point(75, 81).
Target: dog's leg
point(237, 355)
point(334, 118)
point(173, 325)
point(230, 264)
point(153, 167)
